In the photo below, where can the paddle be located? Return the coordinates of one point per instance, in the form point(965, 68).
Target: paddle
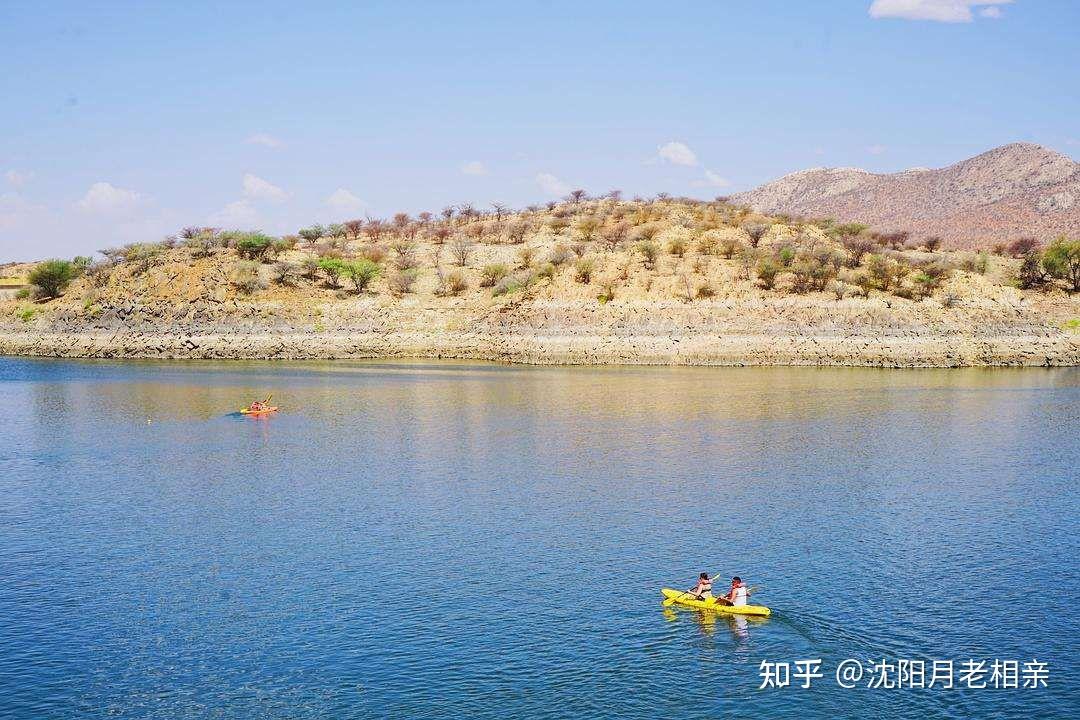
point(668, 602)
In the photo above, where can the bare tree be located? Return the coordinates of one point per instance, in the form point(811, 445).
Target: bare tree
point(375, 229)
point(499, 209)
point(461, 248)
point(447, 213)
point(353, 228)
point(577, 196)
point(615, 236)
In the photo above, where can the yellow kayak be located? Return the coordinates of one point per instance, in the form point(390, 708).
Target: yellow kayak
point(683, 598)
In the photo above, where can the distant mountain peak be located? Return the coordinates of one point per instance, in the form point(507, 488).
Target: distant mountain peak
point(1013, 190)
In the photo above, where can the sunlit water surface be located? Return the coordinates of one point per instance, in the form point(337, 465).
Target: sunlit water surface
point(471, 540)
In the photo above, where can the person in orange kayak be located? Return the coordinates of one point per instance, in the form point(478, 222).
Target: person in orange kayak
point(703, 589)
point(256, 406)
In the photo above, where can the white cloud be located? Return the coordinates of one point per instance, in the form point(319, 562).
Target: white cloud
point(474, 168)
point(15, 210)
point(264, 139)
point(951, 11)
point(344, 202)
point(17, 179)
point(107, 199)
point(677, 153)
point(876, 149)
point(239, 214)
point(552, 185)
point(713, 179)
point(258, 189)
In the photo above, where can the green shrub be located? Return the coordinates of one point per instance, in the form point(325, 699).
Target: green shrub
point(508, 284)
point(52, 276)
point(254, 246)
point(767, 270)
point(491, 274)
point(607, 293)
point(362, 273)
point(333, 268)
point(1062, 261)
point(649, 252)
point(547, 270)
point(786, 256)
point(885, 272)
point(27, 314)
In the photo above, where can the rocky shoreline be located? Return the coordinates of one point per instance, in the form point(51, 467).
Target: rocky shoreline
point(549, 348)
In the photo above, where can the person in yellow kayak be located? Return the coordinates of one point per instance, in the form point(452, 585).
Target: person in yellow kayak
point(738, 594)
point(703, 589)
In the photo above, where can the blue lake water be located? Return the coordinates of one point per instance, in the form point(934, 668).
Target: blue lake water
point(473, 540)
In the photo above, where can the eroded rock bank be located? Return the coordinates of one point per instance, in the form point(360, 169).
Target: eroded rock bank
point(855, 332)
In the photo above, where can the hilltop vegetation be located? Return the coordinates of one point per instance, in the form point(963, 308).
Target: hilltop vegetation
point(664, 248)
point(640, 271)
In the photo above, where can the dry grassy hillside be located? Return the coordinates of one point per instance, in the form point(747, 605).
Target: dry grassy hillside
point(633, 273)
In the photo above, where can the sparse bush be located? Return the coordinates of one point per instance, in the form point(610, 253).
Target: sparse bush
point(587, 227)
point(583, 270)
point(508, 284)
point(402, 282)
point(860, 279)
point(932, 243)
point(705, 290)
point(547, 270)
point(404, 254)
point(858, 246)
point(607, 293)
point(491, 274)
point(526, 255)
point(362, 272)
point(456, 283)
point(284, 273)
point(560, 255)
point(1031, 273)
point(245, 276)
point(649, 252)
point(310, 267)
point(1062, 261)
point(613, 237)
point(1022, 247)
point(461, 248)
point(52, 276)
point(755, 231)
point(677, 246)
point(885, 272)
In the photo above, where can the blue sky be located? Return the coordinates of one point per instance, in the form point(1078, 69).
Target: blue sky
point(125, 121)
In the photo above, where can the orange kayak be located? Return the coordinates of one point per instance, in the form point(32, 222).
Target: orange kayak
point(263, 411)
